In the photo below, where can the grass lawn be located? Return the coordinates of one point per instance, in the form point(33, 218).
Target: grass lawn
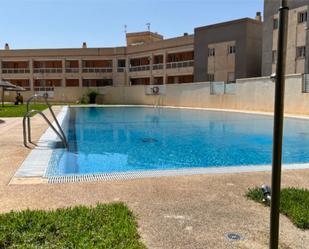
point(294, 203)
point(11, 110)
point(102, 226)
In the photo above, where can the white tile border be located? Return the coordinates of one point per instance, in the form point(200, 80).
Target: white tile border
point(36, 164)
point(37, 161)
point(288, 115)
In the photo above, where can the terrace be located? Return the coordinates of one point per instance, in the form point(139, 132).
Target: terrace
point(97, 66)
point(15, 67)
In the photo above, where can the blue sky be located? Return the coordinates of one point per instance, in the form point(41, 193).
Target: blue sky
point(67, 23)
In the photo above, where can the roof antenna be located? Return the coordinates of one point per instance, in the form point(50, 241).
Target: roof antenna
point(125, 28)
point(148, 25)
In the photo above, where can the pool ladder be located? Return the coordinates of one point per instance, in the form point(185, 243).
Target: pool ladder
point(158, 101)
point(27, 127)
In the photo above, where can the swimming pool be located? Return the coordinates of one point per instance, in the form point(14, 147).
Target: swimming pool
point(133, 139)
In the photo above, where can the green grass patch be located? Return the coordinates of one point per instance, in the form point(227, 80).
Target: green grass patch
point(11, 110)
point(294, 203)
point(102, 226)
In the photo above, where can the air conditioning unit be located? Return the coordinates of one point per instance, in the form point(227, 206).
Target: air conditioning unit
point(155, 90)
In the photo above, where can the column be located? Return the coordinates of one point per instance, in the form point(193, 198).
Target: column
point(63, 73)
point(151, 64)
point(31, 78)
point(127, 74)
point(164, 68)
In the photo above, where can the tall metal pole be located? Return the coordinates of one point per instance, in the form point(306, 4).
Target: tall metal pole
point(278, 125)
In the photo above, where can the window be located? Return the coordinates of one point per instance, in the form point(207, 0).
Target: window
point(210, 77)
point(121, 63)
point(232, 49)
point(274, 56)
point(211, 52)
point(275, 23)
point(231, 77)
point(300, 52)
point(302, 17)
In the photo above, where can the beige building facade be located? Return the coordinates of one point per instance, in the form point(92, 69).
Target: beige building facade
point(298, 39)
point(210, 54)
point(146, 62)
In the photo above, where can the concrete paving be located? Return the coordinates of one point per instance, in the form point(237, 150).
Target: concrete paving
point(172, 212)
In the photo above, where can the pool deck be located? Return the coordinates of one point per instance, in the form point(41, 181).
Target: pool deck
point(194, 211)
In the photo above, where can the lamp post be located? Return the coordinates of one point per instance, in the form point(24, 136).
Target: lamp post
point(278, 125)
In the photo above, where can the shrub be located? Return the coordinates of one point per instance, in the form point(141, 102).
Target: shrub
point(92, 95)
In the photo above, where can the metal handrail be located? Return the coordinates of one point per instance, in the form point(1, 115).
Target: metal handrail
point(62, 136)
point(27, 116)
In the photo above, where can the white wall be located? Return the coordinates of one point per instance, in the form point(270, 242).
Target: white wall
point(251, 94)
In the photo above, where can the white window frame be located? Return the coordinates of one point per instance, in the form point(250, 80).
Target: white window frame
point(210, 77)
point(274, 56)
point(231, 49)
point(275, 23)
point(211, 52)
point(302, 17)
point(300, 52)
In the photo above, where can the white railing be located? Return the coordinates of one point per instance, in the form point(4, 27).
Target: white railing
point(72, 70)
point(97, 69)
point(157, 66)
point(43, 89)
point(180, 64)
point(305, 83)
point(47, 70)
point(121, 69)
point(15, 70)
point(139, 68)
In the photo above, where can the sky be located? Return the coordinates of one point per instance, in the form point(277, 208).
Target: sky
point(68, 23)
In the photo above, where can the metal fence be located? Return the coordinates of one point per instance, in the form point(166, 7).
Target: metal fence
point(220, 87)
point(305, 83)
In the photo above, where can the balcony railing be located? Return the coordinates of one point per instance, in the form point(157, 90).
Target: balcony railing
point(47, 70)
point(121, 69)
point(157, 66)
point(43, 89)
point(139, 68)
point(72, 70)
point(97, 69)
point(15, 70)
point(180, 64)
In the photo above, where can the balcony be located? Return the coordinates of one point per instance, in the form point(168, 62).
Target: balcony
point(121, 69)
point(43, 89)
point(72, 70)
point(47, 70)
point(180, 64)
point(139, 68)
point(15, 70)
point(157, 67)
point(97, 70)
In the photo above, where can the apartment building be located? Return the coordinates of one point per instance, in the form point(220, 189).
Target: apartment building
point(228, 51)
point(220, 52)
point(147, 59)
point(298, 39)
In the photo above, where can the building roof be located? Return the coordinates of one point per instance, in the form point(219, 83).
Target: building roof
point(228, 23)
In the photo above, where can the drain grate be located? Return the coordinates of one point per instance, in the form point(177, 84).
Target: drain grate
point(233, 236)
point(149, 140)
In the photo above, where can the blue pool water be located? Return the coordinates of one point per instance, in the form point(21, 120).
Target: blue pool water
point(121, 139)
